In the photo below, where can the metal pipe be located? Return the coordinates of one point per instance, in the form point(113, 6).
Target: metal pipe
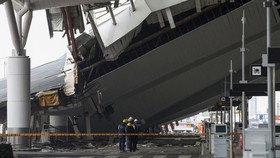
point(132, 4)
point(244, 109)
point(12, 25)
point(270, 82)
point(231, 114)
point(112, 15)
point(66, 26)
point(243, 48)
point(95, 30)
point(70, 30)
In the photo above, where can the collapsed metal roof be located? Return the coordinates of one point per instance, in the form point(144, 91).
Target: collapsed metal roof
point(182, 75)
point(43, 77)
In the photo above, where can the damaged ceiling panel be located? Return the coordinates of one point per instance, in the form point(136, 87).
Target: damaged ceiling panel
point(56, 21)
point(86, 46)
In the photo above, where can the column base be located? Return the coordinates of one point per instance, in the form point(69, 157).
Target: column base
point(19, 142)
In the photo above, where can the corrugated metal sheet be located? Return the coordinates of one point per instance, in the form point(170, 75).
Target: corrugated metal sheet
point(47, 76)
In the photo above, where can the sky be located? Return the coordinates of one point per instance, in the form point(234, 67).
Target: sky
point(39, 47)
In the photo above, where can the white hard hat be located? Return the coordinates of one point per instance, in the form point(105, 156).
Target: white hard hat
point(130, 118)
point(136, 120)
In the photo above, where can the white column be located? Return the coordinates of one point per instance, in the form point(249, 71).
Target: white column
point(18, 93)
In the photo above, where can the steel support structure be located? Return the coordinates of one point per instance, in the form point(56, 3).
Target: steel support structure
point(69, 31)
point(231, 115)
point(132, 5)
point(244, 107)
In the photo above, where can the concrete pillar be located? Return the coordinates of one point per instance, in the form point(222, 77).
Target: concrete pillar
point(18, 106)
point(58, 124)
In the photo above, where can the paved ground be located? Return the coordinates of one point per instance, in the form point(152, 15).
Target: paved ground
point(148, 150)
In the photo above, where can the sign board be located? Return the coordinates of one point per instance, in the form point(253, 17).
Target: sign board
point(258, 70)
point(274, 55)
point(224, 98)
point(251, 89)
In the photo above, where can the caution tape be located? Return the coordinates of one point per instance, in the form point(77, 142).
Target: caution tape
point(235, 133)
point(103, 134)
point(96, 134)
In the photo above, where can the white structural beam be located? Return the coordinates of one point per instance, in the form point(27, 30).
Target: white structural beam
point(19, 15)
point(170, 18)
point(198, 6)
point(26, 26)
point(112, 15)
point(127, 21)
point(160, 19)
point(132, 5)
